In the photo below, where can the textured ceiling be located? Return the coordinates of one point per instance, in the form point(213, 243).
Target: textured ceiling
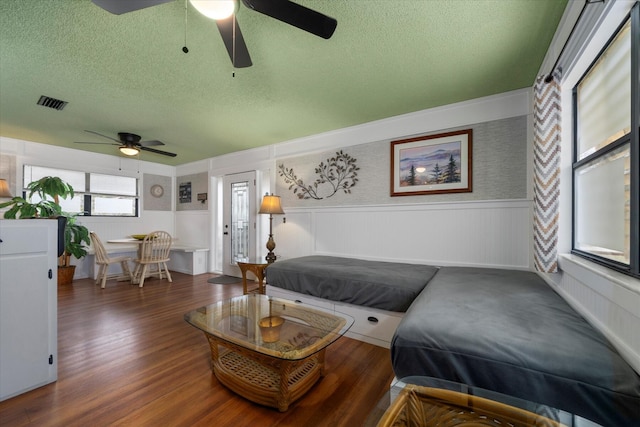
point(128, 72)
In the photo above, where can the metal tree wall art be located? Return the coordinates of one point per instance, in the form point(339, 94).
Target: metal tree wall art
point(339, 172)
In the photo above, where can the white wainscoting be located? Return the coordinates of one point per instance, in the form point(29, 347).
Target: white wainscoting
point(610, 301)
point(486, 233)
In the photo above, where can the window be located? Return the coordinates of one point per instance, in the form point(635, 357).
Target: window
point(95, 194)
point(605, 164)
point(113, 195)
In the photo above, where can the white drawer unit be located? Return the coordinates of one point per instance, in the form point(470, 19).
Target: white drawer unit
point(28, 305)
point(370, 324)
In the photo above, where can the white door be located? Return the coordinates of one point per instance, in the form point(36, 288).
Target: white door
point(239, 221)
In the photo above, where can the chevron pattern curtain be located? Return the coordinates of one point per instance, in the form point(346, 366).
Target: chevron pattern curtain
point(546, 172)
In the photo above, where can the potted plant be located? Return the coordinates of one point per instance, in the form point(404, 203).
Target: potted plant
point(49, 190)
point(75, 238)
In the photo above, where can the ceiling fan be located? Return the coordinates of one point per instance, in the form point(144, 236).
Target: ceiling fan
point(283, 10)
point(130, 144)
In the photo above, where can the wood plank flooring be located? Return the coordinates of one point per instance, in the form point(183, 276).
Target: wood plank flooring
point(126, 357)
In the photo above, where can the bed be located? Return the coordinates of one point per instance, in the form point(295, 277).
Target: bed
point(509, 332)
point(389, 286)
point(501, 330)
point(376, 294)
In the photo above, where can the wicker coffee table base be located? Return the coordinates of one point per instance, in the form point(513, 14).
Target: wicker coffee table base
point(263, 379)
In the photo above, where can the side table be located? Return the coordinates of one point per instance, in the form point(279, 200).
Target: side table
point(256, 268)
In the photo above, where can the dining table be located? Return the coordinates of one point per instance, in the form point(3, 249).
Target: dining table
point(129, 241)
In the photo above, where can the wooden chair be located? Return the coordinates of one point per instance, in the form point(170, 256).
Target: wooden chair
point(104, 261)
point(154, 250)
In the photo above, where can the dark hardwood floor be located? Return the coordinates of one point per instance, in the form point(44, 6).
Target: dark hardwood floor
point(126, 357)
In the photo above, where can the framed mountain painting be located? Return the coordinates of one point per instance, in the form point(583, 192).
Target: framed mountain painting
point(432, 164)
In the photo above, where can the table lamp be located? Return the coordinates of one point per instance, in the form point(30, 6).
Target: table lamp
point(4, 189)
point(270, 205)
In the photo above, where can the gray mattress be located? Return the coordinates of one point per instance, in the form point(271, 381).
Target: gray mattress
point(508, 331)
point(384, 285)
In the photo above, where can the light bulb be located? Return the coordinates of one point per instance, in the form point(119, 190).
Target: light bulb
point(129, 151)
point(215, 9)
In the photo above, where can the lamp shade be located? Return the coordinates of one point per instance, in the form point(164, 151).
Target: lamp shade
point(270, 205)
point(129, 151)
point(4, 189)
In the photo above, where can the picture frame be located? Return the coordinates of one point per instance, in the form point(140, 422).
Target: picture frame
point(432, 164)
point(185, 192)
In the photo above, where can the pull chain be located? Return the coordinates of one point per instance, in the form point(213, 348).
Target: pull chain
point(233, 46)
point(184, 48)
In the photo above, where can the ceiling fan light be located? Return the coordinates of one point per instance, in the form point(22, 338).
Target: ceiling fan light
point(129, 151)
point(215, 9)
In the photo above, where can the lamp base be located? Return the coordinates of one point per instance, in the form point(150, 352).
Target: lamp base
point(271, 245)
point(271, 258)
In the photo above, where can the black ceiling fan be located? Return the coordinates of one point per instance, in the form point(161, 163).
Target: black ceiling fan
point(283, 10)
point(130, 143)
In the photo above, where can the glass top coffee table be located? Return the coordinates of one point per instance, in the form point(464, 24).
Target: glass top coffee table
point(268, 350)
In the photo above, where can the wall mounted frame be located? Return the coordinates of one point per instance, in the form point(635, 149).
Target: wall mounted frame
point(432, 164)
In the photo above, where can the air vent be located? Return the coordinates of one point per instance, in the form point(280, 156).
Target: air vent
point(56, 104)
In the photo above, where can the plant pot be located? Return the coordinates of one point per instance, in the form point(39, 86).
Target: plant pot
point(65, 275)
point(270, 328)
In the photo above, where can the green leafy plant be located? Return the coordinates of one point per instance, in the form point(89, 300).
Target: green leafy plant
point(75, 238)
point(50, 190)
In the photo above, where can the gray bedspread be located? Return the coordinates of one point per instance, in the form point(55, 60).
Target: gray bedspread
point(509, 332)
point(384, 285)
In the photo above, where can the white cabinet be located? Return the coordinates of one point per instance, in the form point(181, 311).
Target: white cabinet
point(28, 305)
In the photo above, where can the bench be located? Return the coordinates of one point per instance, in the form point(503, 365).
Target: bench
point(188, 259)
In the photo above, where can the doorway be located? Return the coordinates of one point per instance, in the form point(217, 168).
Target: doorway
point(238, 221)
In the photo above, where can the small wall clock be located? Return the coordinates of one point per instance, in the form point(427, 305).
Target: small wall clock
point(157, 190)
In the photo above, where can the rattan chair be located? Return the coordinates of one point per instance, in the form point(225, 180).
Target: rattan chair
point(104, 261)
point(154, 251)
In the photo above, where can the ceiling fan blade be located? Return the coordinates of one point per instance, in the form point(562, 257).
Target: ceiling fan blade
point(153, 150)
point(104, 136)
point(98, 143)
point(152, 143)
point(294, 14)
point(118, 7)
point(239, 54)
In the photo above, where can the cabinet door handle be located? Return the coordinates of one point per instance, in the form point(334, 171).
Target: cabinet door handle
point(50, 274)
point(372, 319)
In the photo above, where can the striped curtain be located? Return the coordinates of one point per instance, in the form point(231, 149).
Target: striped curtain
point(546, 172)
